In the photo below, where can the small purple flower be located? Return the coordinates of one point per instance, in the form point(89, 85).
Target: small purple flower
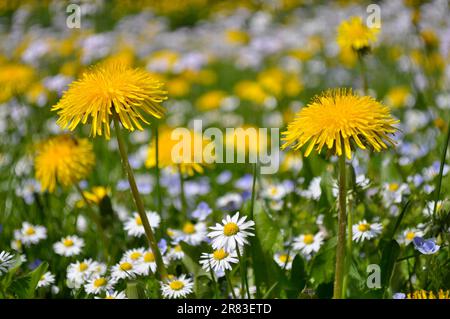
point(202, 211)
point(224, 177)
point(162, 245)
point(245, 182)
point(33, 265)
point(425, 246)
point(399, 295)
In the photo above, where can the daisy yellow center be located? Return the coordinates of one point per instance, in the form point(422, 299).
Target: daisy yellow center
point(126, 266)
point(230, 229)
point(410, 235)
point(393, 187)
point(138, 221)
point(363, 227)
point(109, 297)
point(149, 257)
point(99, 282)
point(178, 248)
point(68, 242)
point(30, 231)
point(283, 258)
point(83, 266)
point(136, 255)
point(308, 239)
point(220, 254)
point(189, 228)
point(273, 191)
point(176, 285)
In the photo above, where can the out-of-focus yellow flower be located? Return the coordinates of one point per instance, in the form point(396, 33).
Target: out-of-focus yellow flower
point(338, 117)
point(111, 90)
point(235, 36)
point(348, 57)
point(203, 77)
point(440, 124)
point(398, 96)
point(35, 92)
point(210, 100)
point(354, 34)
point(251, 91)
point(430, 38)
point(272, 81)
point(178, 87)
point(163, 60)
point(124, 57)
point(171, 152)
point(70, 68)
point(14, 80)
point(96, 194)
point(63, 160)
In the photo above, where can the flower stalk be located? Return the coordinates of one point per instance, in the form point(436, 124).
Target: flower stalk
point(161, 269)
point(339, 292)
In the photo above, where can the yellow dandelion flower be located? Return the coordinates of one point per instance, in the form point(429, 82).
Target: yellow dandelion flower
point(423, 294)
point(210, 100)
point(171, 152)
point(338, 117)
point(63, 159)
point(109, 90)
point(14, 79)
point(353, 33)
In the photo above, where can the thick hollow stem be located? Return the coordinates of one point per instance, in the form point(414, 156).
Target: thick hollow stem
point(138, 201)
point(338, 292)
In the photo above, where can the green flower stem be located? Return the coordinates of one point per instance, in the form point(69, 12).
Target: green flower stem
point(362, 66)
point(441, 171)
point(161, 269)
point(182, 194)
point(230, 285)
point(157, 172)
point(96, 219)
point(339, 292)
point(243, 270)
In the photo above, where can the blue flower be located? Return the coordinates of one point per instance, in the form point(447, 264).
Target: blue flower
point(202, 211)
point(399, 295)
point(426, 247)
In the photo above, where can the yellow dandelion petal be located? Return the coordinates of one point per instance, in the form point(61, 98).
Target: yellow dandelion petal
point(354, 34)
point(63, 160)
point(109, 88)
point(337, 118)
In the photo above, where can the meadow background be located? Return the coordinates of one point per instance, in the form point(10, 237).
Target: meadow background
point(244, 64)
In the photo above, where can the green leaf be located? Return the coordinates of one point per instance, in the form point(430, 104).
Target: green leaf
point(135, 290)
point(389, 256)
point(267, 230)
point(24, 287)
point(298, 277)
point(400, 218)
point(323, 264)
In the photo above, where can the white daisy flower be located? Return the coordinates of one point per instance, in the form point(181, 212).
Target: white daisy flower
point(113, 295)
point(69, 246)
point(147, 263)
point(274, 192)
point(79, 272)
point(231, 233)
point(177, 287)
point(175, 253)
point(219, 260)
point(363, 230)
point(99, 269)
point(134, 255)
point(6, 261)
point(124, 269)
point(238, 290)
point(284, 260)
point(133, 225)
point(408, 235)
point(394, 192)
point(30, 234)
point(308, 244)
point(99, 284)
point(46, 280)
point(191, 234)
